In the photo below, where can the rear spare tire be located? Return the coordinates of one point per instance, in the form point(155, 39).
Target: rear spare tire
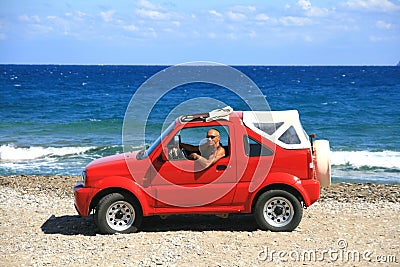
point(322, 155)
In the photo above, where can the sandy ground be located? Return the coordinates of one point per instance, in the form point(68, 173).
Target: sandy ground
point(351, 225)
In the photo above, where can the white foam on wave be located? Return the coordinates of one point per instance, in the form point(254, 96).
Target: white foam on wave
point(357, 159)
point(10, 152)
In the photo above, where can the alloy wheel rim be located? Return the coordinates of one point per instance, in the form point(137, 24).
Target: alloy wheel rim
point(278, 211)
point(120, 215)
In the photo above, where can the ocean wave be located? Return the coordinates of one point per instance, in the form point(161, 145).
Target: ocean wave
point(365, 160)
point(38, 160)
point(11, 152)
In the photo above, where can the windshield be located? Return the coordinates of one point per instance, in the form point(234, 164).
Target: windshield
point(144, 153)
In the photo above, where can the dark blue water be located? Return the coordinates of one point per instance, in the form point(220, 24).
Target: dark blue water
point(55, 119)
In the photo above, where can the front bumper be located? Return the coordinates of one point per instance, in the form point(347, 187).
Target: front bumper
point(83, 196)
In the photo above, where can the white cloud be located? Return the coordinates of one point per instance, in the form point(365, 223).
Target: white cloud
point(308, 39)
point(252, 34)
point(294, 21)
point(45, 25)
point(312, 11)
point(80, 14)
point(375, 5)
point(147, 21)
point(374, 38)
point(152, 33)
point(244, 9)
point(235, 13)
point(346, 27)
point(107, 16)
point(131, 28)
point(236, 16)
point(147, 5)
point(215, 13)
point(240, 13)
point(304, 4)
point(383, 25)
point(71, 23)
point(262, 16)
point(151, 11)
point(30, 19)
point(40, 29)
point(152, 14)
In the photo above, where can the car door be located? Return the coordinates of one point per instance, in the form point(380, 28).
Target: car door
point(181, 182)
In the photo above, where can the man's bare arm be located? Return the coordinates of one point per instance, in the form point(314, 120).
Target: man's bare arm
point(206, 162)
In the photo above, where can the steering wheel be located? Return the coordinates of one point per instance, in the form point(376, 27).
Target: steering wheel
point(185, 153)
point(176, 153)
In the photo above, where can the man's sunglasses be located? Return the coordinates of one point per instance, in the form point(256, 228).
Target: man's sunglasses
point(211, 136)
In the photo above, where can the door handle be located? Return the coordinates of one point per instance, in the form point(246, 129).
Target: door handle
point(221, 167)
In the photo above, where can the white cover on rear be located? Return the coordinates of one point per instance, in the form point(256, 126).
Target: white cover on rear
point(287, 132)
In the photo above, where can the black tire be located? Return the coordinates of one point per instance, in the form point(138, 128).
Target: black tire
point(118, 213)
point(278, 211)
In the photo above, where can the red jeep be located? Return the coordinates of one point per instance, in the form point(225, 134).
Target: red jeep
point(270, 167)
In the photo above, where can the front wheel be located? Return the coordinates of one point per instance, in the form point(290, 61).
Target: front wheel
point(118, 213)
point(278, 211)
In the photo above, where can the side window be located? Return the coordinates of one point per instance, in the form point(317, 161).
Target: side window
point(195, 137)
point(253, 148)
point(268, 128)
point(290, 136)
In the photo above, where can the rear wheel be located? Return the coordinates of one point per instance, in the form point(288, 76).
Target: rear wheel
point(278, 211)
point(118, 213)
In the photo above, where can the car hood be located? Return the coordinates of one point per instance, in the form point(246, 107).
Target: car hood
point(115, 165)
point(111, 160)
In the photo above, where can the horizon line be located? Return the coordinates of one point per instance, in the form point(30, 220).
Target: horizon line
point(239, 65)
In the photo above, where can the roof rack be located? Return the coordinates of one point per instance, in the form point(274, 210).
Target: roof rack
point(217, 114)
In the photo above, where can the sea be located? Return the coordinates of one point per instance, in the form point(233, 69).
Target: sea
point(55, 119)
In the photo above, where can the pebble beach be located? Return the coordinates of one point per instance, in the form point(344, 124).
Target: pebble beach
point(351, 225)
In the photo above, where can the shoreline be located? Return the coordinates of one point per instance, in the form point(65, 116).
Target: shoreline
point(63, 185)
point(39, 226)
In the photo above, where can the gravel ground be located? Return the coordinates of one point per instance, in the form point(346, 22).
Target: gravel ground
point(351, 225)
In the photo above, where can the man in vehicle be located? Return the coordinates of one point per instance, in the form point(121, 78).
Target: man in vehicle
point(208, 153)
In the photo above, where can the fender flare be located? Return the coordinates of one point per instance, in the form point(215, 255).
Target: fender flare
point(280, 179)
point(126, 184)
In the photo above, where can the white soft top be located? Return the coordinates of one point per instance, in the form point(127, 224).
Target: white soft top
point(281, 127)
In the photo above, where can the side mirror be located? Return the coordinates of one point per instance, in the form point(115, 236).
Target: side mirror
point(164, 154)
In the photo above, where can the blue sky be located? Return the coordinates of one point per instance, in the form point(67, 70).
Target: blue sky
point(303, 32)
